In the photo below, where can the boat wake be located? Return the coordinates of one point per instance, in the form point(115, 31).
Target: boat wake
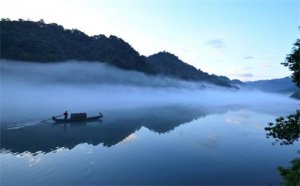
point(22, 125)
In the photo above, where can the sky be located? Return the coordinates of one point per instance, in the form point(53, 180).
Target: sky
point(240, 39)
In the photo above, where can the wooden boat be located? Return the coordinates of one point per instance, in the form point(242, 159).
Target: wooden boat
point(78, 117)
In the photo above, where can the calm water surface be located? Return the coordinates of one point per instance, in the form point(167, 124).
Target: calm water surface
point(168, 145)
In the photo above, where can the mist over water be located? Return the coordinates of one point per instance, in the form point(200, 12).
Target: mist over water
point(155, 130)
point(35, 91)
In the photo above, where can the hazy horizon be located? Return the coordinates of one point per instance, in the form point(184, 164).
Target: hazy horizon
point(75, 86)
point(87, 62)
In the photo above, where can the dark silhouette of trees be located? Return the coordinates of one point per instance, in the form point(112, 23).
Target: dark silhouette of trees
point(41, 42)
point(286, 131)
point(26, 40)
point(293, 62)
point(170, 65)
point(291, 175)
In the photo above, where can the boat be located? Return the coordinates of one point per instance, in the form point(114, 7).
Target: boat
point(78, 117)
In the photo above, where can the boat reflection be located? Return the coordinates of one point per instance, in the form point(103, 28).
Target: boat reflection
point(115, 127)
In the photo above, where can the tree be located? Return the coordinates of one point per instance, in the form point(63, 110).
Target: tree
point(286, 131)
point(291, 175)
point(292, 61)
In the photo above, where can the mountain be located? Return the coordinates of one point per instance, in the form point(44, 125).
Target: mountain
point(170, 65)
point(282, 85)
point(237, 82)
point(37, 41)
point(44, 43)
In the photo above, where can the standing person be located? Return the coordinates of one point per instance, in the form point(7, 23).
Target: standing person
point(66, 115)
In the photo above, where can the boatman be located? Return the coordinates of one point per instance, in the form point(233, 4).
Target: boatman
point(66, 115)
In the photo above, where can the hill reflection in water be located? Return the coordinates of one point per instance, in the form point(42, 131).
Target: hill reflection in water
point(158, 145)
point(115, 127)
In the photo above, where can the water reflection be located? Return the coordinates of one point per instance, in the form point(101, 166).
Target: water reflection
point(115, 127)
point(194, 153)
point(286, 131)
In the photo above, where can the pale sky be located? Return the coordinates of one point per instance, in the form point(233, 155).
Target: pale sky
point(243, 39)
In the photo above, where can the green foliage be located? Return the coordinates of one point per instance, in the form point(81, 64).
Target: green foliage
point(285, 131)
point(40, 42)
point(291, 175)
point(170, 65)
point(293, 62)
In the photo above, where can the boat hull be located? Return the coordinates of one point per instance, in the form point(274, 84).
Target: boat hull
point(95, 118)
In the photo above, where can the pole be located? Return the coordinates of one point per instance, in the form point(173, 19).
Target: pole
point(51, 118)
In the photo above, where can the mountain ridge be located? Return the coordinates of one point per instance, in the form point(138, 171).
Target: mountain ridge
point(279, 85)
point(170, 65)
point(48, 43)
point(273, 85)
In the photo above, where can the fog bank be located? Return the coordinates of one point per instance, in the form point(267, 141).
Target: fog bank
point(35, 91)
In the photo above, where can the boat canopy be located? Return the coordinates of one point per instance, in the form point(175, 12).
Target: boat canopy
point(78, 116)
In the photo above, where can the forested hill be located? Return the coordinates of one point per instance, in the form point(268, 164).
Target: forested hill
point(37, 41)
point(273, 85)
point(170, 65)
point(40, 42)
